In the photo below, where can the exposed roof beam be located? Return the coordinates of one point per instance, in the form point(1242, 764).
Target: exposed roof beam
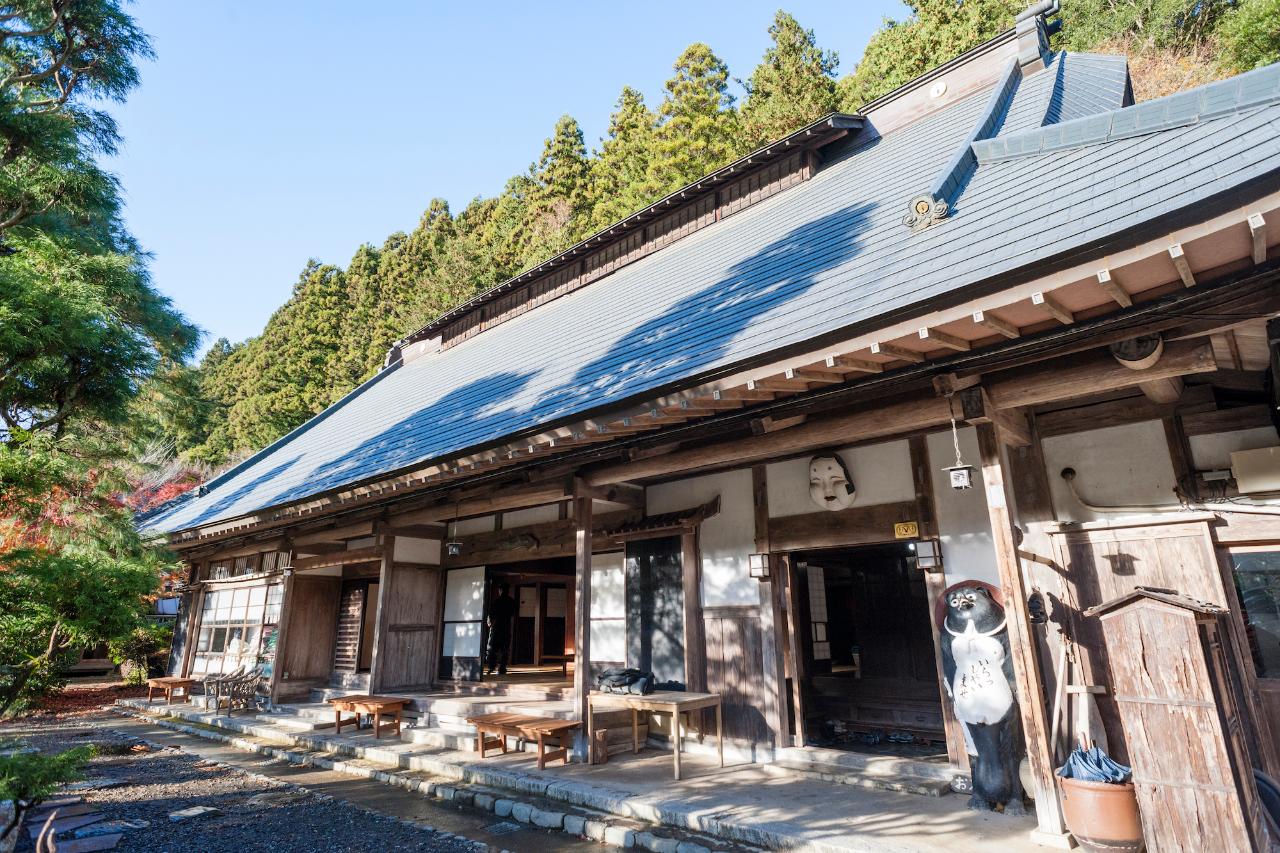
point(1113, 289)
point(995, 324)
point(1179, 259)
point(806, 375)
point(1054, 307)
point(844, 362)
point(897, 352)
point(944, 339)
point(1258, 233)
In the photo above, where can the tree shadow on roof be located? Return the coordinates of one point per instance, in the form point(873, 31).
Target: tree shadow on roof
point(460, 418)
point(698, 332)
point(227, 501)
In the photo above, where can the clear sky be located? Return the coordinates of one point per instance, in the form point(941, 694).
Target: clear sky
point(269, 133)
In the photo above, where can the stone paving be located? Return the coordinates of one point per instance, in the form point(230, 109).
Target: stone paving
point(740, 803)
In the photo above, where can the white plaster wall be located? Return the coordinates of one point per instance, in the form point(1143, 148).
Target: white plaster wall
point(413, 550)
point(362, 542)
point(608, 607)
point(1213, 452)
point(532, 515)
point(881, 474)
point(465, 526)
point(964, 527)
point(727, 539)
point(1125, 465)
point(462, 639)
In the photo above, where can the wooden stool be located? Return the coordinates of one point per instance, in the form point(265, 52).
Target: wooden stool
point(168, 685)
point(363, 704)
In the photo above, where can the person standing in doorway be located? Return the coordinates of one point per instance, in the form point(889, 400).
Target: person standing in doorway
point(502, 613)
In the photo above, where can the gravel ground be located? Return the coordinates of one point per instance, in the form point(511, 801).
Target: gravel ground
point(256, 813)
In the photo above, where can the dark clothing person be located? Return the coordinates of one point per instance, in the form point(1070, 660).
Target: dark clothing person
point(502, 612)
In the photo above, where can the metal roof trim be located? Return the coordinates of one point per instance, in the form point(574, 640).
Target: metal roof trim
point(1256, 88)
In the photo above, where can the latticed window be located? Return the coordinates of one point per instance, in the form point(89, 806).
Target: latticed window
point(233, 623)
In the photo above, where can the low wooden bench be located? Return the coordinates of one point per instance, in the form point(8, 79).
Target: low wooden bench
point(538, 729)
point(168, 685)
point(363, 704)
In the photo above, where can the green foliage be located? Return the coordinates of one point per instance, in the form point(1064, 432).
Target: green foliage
point(557, 215)
point(1178, 25)
point(935, 32)
point(1249, 35)
point(794, 84)
point(698, 130)
point(58, 59)
point(142, 649)
point(620, 167)
point(30, 777)
point(81, 330)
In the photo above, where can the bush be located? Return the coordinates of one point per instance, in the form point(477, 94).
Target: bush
point(143, 653)
point(26, 778)
point(1250, 35)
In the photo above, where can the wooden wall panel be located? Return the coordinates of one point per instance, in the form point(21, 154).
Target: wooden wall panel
point(735, 669)
point(312, 614)
point(410, 612)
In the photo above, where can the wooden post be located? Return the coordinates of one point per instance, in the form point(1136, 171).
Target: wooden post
point(935, 582)
point(795, 624)
point(695, 640)
point(774, 670)
point(282, 637)
point(386, 576)
point(1026, 666)
point(582, 510)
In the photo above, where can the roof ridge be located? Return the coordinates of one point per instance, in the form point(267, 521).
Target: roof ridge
point(1213, 100)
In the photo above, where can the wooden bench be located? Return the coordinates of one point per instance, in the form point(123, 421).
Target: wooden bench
point(168, 685)
point(538, 729)
point(363, 704)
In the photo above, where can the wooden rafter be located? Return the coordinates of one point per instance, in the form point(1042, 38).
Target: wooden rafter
point(1113, 289)
point(1181, 264)
point(1258, 236)
point(898, 352)
point(1050, 303)
point(990, 321)
point(943, 339)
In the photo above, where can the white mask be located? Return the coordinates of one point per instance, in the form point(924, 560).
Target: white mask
point(829, 483)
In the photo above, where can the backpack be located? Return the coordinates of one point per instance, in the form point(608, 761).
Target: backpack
point(620, 680)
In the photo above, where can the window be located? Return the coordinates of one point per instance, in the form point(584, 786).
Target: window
point(1257, 577)
point(232, 625)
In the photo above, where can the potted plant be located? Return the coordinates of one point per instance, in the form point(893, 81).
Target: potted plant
point(1099, 803)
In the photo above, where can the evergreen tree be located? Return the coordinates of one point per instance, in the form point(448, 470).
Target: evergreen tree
point(558, 195)
point(620, 168)
point(793, 85)
point(1143, 25)
point(698, 131)
point(935, 32)
point(1250, 35)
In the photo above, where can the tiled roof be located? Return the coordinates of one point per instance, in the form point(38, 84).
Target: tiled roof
point(826, 255)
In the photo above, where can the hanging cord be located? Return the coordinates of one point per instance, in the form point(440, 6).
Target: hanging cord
point(955, 432)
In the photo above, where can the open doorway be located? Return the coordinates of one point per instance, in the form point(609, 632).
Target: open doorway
point(869, 669)
point(539, 640)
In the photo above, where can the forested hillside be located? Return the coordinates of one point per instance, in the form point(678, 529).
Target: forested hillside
point(334, 330)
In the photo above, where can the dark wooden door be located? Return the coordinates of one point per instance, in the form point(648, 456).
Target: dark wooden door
point(655, 609)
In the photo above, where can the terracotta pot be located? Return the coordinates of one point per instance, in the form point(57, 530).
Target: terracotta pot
point(1101, 815)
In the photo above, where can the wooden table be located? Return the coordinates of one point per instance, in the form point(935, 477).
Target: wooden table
point(538, 729)
point(168, 685)
point(362, 704)
point(670, 702)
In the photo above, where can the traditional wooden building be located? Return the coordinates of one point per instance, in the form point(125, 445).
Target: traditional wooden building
point(724, 438)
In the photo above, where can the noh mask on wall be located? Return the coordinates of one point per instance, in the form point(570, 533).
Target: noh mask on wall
point(830, 485)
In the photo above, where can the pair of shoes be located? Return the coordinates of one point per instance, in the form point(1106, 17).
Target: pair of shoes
point(502, 672)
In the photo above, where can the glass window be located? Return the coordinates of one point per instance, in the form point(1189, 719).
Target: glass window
point(231, 627)
point(1257, 575)
point(219, 640)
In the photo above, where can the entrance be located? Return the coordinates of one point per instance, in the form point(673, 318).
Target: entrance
point(869, 676)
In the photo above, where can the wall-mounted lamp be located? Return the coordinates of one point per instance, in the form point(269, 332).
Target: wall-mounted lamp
point(759, 566)
point(929, 555)
point(453, 548)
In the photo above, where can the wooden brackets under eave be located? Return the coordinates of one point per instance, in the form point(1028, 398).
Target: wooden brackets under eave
point(1011, 424)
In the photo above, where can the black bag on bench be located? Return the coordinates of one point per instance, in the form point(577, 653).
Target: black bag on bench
point(619, 680)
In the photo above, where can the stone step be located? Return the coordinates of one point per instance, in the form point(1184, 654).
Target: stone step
point(444, 738)
point(838, 760)
point(295, 722)
point(902, 783)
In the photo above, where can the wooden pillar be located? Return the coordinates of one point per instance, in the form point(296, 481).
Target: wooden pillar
point(935, 582)
point(196, 600)
point(695, 634)
point(386, 575)
point(282, 635)
point(1022, 647)
point(774, 669)
point(795, 607)
point(582, 512)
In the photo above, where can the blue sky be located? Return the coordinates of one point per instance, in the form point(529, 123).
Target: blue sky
point(266, 134)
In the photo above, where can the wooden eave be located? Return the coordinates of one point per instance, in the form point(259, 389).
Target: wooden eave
point(1058, 305)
